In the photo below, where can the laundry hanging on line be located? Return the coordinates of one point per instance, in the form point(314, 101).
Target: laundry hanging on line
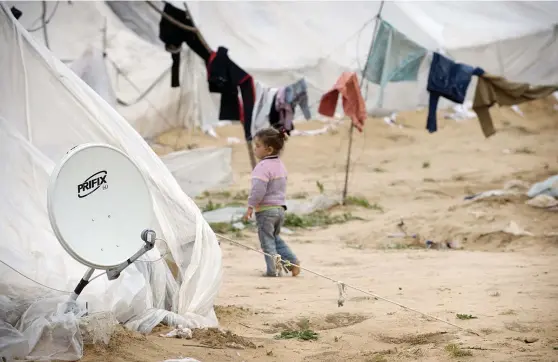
point(173, 36)
point(275, 107)
point(447, 79)
point(393, 58)
point(287, 99)
point(493, 89)
point(225, 77)
point(353, 103)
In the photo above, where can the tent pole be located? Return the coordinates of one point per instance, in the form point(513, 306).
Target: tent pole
point(43, 17)
point(351, 129)
point(251, 154)
point(105, 38)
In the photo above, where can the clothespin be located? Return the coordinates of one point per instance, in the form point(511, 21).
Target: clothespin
point(342, 294)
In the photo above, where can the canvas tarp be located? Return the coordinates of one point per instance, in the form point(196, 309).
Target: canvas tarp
point(45, 109)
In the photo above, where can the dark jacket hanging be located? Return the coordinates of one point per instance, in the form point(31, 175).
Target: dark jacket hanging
point(449, 80)
point(225, 77)
point(173, 37)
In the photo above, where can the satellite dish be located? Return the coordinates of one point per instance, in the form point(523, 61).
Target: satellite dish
point(100, 209)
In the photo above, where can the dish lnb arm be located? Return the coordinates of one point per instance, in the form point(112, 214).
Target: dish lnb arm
point(148, 236)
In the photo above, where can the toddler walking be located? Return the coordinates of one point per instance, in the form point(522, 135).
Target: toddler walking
point(267, 198)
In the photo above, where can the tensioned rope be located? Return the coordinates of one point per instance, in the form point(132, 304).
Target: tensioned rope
point(92, 279)
point(342, 285)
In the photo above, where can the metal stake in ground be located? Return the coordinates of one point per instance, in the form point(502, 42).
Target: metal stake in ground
point(345, 188)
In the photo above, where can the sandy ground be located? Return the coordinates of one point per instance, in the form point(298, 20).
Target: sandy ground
point(507, 282)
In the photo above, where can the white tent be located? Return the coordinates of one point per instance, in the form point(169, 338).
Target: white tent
point(139, 70)
point(46, 109)
point(279, 42)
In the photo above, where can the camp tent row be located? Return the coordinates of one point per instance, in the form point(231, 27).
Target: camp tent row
point(45, 109)
point(519, 43)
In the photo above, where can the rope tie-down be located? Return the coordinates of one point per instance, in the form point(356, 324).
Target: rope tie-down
point(343, 286)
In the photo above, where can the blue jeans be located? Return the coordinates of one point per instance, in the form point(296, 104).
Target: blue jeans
point(269, 225)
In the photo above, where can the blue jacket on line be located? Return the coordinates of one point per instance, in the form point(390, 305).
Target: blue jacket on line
point(449, 80)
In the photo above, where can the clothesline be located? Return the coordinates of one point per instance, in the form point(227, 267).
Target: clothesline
point(342, 285)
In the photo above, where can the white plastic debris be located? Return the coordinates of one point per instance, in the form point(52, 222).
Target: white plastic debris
point(179, 332)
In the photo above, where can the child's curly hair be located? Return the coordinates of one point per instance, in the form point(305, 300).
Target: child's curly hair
point(273, 138)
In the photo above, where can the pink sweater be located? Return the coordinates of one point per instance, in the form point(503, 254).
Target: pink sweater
point(269, 183)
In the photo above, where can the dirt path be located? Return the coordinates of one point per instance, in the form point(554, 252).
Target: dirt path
point(507, 283)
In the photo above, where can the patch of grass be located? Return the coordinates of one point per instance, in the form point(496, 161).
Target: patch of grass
point(241, 195)
point(320, 187)
point(304, 333)
point(362, 202)
point(225, 228)
point(454, 351)
point(217, 194)
point(317, 218)
point(210, 206)
point(426, 164)
point(465, 316)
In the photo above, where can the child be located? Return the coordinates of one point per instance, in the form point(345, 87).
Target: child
point(267, 198)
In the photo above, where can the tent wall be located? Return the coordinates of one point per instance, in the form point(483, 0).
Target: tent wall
point(279, 42)
point(46, 109)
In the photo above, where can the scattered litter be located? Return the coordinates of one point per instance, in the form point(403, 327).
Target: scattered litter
point(211, 132)
point(182, 360)
point(287, 231)
point(490, 193)
point(223, 123)
point(314, 132)
point(238, 226)
point(179, 332)
point(517, 110)
point(391, 120)
point(233, 140)
point(462, 112)
point(542, 201)
point(547, 187)
point(514, 229)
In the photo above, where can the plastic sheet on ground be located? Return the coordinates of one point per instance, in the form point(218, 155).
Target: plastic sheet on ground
point(547, 187)
point(200, 169)
point(300, 207)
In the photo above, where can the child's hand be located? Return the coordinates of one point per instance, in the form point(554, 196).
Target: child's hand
point(247, 215)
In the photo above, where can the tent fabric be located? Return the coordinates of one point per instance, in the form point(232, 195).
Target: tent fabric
point(92, 69)
point(201, 169)
point(134, 63)
point(46, 109)
point(280, 42)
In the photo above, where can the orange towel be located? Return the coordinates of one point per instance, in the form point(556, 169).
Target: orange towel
point(353, 103)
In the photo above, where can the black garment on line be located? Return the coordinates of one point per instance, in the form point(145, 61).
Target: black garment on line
point(225, 77)
point(173, 37)
point(16, 12)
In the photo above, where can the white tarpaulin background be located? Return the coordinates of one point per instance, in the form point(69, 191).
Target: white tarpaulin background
point(279, 42)
point(45, 109)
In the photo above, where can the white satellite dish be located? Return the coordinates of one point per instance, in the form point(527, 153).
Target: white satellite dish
point(100, 209)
